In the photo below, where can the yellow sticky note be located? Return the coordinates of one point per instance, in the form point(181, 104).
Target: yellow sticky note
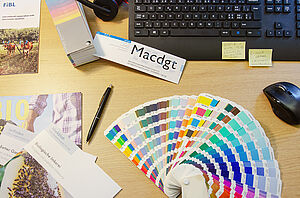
point(233, 50)
point(260, 57)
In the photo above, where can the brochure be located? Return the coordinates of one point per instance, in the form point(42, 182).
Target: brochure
point(19, 36)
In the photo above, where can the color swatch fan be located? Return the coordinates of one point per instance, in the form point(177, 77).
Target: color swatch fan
point(198, 145)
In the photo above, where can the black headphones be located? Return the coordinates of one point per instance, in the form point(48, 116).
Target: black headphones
point(103, 9)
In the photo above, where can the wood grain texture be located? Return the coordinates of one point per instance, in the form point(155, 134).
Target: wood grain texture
point(233, 80)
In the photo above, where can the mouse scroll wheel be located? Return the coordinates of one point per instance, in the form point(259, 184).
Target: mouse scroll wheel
point(282, 88)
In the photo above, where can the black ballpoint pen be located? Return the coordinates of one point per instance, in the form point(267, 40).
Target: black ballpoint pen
point(99, 112)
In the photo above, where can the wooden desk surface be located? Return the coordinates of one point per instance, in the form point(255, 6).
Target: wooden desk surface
point(232, 80)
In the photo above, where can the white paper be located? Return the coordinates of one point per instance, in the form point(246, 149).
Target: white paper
point(18, 14)
point(139, 57)
point(62, 160)
point(13, 139)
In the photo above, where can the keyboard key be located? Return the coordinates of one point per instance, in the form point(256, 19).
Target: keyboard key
point(168, 8)
point(194, 32)
point(278, 2)
point(148, 24)
point(287, 33)
point(187, 16)
point(150, 8)
point(220, 8)
point(218, 24)
point(164, 32)
point(196, 16)
point(269, 8)
point(278, 25)
point(278, 33)
point(248, 16)
point(298, 33)
point(298, 9)
point(225, 32)
point(154, 33)
point(138, 24)
point(250, 25)
point(200, 24)
point(178, 16)
point(269, 2)
point(238, 33)
point(254, 33)
point(278, 8)
point(298, 17)
point(237, 8)
point(239, 16)
point(209, 24)
point(205, 16)
point(226, 24)
point(159, 8)
point(157, 24)
point(170, 16)
point(287, 2)
point(222, 16)
point(191, 24)
point(166, 24)
point(298, 2)
point(246, 8)
point(211, 8)
point(202, 8)
point(286, 9)
point(269, 33)
point(182, 24)
point(228, 8)
point(140, 16)
point(140, 32)
point(161, 16)
point(146, 1)
point(153, 16)
point(194, 8)
point(140, 8)
point(185, 8)
point(174, 24)
point(235, 25)
point(298, 25)
point(213, 16)
point(176, 8)
point(138, 1)
point(253, 1)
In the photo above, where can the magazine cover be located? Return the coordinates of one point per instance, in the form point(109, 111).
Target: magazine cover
point(35, 113)
point(22, 176)
point(19, 36)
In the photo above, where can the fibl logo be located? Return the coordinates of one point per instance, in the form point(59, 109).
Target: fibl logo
point(9, 4)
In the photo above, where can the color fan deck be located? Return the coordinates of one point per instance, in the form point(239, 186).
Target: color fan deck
point(217, 136)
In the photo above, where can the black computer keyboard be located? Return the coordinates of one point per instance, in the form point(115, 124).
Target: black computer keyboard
point(195, 29)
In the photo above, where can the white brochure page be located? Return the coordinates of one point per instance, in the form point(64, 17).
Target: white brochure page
point(140, 57)
point(62, 159)
point(13, 139)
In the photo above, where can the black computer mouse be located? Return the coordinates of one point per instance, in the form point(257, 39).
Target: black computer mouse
point(285, 101)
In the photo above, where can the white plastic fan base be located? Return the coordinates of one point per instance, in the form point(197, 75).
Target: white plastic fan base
point(185, 179)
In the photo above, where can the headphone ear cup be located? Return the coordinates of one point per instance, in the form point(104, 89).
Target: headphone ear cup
point(108, 4)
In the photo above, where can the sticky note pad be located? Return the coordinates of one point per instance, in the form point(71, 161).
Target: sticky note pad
point(260, 57)
point(233, 50)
